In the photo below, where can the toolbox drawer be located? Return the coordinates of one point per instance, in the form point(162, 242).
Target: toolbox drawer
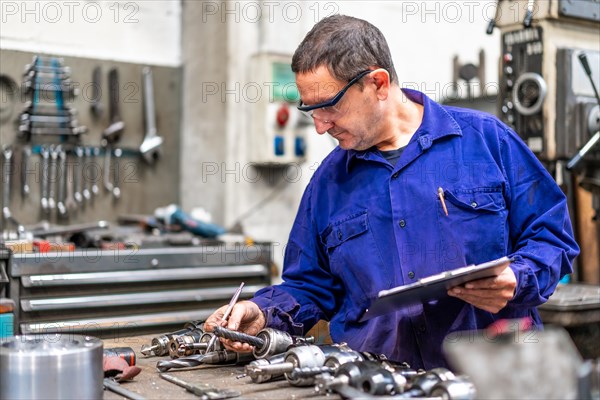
point(125, 292)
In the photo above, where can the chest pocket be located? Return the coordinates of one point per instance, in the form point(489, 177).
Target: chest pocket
point(476, 223)
point(355, 258)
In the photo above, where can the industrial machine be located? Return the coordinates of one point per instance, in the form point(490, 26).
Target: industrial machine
point(550, 68)
point(277, 135)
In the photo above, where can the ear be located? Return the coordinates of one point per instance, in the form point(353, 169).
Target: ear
point(381, 79)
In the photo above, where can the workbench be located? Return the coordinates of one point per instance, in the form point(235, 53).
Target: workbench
point(150, 385)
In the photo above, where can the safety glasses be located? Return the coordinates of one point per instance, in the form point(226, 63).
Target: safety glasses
point(328, 110)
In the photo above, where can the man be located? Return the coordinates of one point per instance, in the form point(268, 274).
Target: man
point(413, 189)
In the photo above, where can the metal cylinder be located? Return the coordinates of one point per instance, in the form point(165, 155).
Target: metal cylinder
point(275, 342)
point(51, 367)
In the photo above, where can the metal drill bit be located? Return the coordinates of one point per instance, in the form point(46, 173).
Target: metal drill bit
point(232, 302)
point(309, 372)
point(214, 357)
point(238, 336)
point(148, 350)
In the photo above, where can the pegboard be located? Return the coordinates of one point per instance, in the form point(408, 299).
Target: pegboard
point(143, 186)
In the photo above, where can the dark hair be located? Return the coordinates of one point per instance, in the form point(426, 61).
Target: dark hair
point(346, 46)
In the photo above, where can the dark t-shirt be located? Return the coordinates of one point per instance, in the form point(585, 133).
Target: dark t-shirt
point(392, 156)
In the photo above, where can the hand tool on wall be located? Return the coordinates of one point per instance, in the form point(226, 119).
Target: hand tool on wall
point(52, 177)
point(112, 134)
point(225, 316)
point(86, 163)
point(62, 184)
point(25, 155)
point(95, 155)
point(150, 147)
point(97, 108)
point(78, 175)
point(205, 392)
point(44, 177)
point(7, 154)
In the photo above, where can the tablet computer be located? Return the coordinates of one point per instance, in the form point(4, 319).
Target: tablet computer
point(431, 287)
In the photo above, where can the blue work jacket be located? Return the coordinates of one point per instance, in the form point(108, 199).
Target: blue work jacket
point(364, 225)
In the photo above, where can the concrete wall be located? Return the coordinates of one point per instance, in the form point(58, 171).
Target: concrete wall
point(145, 32)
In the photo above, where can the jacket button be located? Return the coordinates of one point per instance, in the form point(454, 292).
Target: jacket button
point(340, 235)
point(395, 175)
point(411, 274)
point(402, 223)
point(474, 204)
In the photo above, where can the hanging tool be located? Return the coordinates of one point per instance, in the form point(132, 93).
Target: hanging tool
point(44, 178)
point(112, 134)
point(86, 162)
point(95, 154)
point(8, 171)
point(150, 147)
point(52, 177)
point(78, 175)
point(97, 108)
point(25, 155)
point(232, 302)
point(205, 392)
point(62, 184)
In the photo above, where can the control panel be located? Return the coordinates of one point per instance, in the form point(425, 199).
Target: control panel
point(278, 129)
point(523, 87)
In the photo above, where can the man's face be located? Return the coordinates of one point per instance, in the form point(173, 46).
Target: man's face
point(355, 123)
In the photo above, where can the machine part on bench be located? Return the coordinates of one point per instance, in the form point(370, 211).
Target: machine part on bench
point(236, 336)
point(454, 389)
point(257, 365)
point(57, 367)
point(177, 342)
point(213, 357)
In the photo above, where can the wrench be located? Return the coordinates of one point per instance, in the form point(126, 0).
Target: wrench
point(77, 175)
point(116, 191)
point(150, 147)
point(61, 183)
point(7, 153)
point(95, 189)
point(87, 194)
point(96, 107)
point(44, 178)
point(25, 155)
point(70, 172)
point(52, 177)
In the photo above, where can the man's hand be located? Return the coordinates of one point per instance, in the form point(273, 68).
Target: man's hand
point(489, 294)
point(245, 317)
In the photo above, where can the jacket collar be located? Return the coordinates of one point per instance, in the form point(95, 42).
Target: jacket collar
point(437, 123)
